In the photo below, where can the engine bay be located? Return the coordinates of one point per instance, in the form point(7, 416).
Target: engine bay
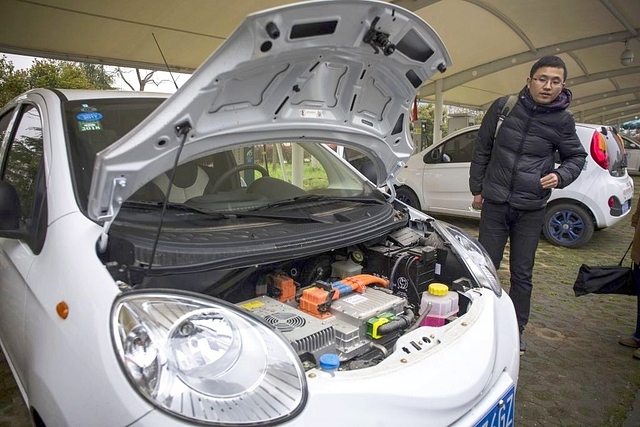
point(352, 302)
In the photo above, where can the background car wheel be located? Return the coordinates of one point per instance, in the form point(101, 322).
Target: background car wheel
point(406, 195)
point(567, 225)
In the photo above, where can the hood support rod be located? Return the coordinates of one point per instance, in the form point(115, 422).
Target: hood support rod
point(182, 130)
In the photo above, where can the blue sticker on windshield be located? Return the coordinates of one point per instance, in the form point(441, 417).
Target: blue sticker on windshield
point(89, 117)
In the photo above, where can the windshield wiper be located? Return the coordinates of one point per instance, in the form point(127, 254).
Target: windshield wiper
point(137, 204)
point(286, 216)
point(317, 198)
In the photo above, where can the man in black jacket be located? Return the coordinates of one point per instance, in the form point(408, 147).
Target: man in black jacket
point(511, 178)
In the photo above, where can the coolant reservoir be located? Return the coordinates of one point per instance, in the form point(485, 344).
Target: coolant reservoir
point(346, 268)
point(444, 303)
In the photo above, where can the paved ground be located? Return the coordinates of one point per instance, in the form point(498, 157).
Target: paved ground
point(574, 372)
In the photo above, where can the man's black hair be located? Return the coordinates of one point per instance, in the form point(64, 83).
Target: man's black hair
point(549, 61)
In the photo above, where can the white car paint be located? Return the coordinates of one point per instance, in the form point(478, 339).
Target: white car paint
point(633, 154)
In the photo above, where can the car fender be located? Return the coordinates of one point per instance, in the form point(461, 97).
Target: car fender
point(411, 176)
point(75, 354)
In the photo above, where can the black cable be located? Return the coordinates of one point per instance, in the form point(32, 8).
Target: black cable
point(395, 268)
point(182, 130)
point(408, 274)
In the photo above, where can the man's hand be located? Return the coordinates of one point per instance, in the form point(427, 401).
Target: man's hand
point(477, 202)
point(549, 181)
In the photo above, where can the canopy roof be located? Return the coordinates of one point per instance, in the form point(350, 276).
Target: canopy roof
point(492, 43)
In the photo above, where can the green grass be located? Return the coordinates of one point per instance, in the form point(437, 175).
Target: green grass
point(619, 412)
point(314, 177)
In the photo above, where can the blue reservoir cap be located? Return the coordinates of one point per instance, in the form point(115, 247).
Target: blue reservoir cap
point(329, 361)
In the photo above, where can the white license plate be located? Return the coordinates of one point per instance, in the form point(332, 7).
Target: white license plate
point(626, 206)
point(502, 413)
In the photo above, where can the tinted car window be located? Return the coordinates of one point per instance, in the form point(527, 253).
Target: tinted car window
point(23, 158)
point(4, 124)
point(93, 125)
point(630, 145)
point(460, 148)
point(361, 162)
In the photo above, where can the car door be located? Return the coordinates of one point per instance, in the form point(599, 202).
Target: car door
point(445, 181)
point(21, 160)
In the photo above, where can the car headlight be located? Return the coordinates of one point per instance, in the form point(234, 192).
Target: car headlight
point(206, 361)
point(475, 257)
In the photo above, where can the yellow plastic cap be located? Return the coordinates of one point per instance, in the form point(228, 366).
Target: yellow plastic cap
point(438, 289)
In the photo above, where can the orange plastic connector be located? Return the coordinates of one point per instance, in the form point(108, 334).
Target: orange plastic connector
point(312, 299)
point(286, 286)
point(359, 282)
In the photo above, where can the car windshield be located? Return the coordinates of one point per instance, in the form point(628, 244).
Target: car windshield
point(93, 125)
point(266, 176)
point(277, 176)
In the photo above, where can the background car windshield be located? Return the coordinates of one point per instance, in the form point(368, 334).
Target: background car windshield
point(93, 125)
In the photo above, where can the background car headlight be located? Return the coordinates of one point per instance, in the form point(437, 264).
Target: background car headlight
point(206, 361)
point(475, 257)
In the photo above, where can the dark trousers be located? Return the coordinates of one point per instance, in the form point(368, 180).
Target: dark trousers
point(500, 221)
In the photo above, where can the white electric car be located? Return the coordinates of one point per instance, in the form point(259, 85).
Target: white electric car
point(208, 259)
point(436, 180)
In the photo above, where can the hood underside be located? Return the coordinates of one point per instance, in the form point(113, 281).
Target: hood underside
point(342, 72)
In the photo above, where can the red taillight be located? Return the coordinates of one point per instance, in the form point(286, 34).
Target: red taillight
point(610, 202)
point(599, 150)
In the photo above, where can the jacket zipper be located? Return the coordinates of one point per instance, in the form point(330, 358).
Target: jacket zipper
point(519, 152)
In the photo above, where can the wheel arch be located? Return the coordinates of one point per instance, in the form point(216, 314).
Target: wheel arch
point(566, 200)
point(405, 187)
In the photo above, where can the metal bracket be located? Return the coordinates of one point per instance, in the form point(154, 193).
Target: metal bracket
point(378, 40)
point(114, 208)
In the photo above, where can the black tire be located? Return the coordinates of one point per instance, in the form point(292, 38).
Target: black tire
point(407, 196)
point(567, 225)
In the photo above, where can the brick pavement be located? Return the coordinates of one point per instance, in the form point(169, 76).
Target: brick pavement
point(574, 372)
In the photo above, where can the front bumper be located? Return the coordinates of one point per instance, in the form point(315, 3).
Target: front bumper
point(444, 376)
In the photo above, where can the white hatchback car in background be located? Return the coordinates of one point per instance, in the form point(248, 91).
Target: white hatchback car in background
point(436, 181)
point(207, 259)
point(632, 148)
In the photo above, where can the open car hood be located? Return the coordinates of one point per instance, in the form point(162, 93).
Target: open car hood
point(341, 72)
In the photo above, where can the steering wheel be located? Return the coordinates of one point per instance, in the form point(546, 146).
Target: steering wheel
point(236, 169)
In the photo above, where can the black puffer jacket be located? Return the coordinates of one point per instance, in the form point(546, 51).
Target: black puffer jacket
point(509, 169)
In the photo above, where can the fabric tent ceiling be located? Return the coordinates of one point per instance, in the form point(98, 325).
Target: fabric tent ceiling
point(493, 43)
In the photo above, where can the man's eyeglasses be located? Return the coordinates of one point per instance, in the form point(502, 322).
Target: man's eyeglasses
point(543, 81)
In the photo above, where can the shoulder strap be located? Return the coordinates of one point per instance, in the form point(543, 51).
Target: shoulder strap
point(506, 109)
point(625, 253)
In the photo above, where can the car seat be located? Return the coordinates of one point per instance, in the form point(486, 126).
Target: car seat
point(190, 180)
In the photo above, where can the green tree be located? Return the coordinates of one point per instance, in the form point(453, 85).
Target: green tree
point(98, 75)
point(12, 82)
point(50, 73)
point(426, 112)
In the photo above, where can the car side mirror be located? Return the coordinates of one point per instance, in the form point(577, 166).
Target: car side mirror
point(432, 156)
point(10, 212)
